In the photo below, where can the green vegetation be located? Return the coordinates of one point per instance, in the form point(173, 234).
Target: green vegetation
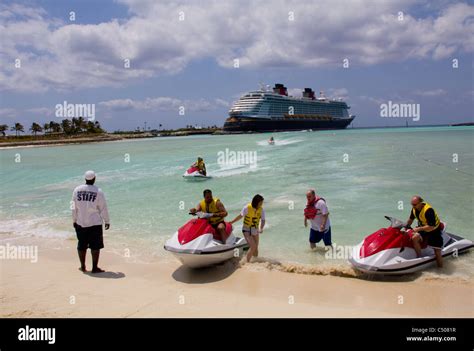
point(74, 127)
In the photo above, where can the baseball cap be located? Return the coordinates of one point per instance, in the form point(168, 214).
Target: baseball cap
point(89, 175)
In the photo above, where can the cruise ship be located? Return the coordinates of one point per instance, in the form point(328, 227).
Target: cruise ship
point(268, 110)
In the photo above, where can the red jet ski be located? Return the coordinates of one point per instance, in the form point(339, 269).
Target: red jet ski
point(192, 173)
point(390, 250)
point(196, 244)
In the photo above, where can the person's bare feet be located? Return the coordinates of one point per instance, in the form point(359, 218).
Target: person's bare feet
point(98, 270)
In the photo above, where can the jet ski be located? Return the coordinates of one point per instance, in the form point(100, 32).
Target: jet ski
point(192, 173)
point(390, 250)
point(196, 244)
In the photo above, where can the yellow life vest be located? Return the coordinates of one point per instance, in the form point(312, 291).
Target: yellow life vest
point(252, 218)
point(200, 165)
point(421, 217)
point(211, 208)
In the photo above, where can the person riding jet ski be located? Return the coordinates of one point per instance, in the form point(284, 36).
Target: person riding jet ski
point(429, 228)
point(214, 210)
point(200, 165)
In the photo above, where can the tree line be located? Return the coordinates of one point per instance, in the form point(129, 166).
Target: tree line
point(71, 126)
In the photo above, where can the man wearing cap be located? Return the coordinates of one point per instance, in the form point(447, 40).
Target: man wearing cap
point(89, 211)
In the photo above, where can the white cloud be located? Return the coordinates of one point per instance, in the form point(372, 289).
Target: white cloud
point(162, 104)
point(431, 93)
point(8, 112)
point(64, 56)
point(41, 111)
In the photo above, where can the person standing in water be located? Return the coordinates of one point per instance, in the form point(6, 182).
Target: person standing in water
point(254, 222)
point(89, 212)
point(429, 228)
point(216, 210)
point(317, 212)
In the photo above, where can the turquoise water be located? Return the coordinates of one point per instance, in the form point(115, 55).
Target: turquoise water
point(384, 166)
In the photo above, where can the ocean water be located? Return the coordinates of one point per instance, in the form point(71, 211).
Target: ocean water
point(363, 174)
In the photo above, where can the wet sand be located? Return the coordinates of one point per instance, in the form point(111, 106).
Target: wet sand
point(54, 287)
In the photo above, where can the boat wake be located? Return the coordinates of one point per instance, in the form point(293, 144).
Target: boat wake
point(280, 142)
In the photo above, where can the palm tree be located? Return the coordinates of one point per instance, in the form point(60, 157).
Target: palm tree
point(18, 128)
point(66, 125)
point(46, 127)
point(81, 124)
point(3, 128)
point(55, 127)
point(90, 127)
point(97, 127)
point(74, 125)
point(35, 128)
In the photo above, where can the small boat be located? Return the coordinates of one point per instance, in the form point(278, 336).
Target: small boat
point(390, 250)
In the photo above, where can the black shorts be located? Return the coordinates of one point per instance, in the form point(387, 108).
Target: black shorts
point(216, 224)
point(433, 238)
point(89, 237)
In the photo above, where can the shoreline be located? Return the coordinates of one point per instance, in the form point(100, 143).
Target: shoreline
point(53, 287)
point(68, 141)
point(166, 134)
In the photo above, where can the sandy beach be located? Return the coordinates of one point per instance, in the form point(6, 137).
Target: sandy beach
point(53, 287)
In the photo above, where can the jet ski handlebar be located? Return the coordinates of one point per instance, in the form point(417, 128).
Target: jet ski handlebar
point(201, 214)
point(397, 223)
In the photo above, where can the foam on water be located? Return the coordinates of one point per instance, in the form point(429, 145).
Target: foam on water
point(340, 270)
point(34, 227)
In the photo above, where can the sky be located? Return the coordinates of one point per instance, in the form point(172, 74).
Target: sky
point(141, 61)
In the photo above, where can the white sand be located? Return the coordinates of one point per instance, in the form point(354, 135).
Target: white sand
point(164, 289)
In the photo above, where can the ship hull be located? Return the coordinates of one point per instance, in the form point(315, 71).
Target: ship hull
point(277, 125)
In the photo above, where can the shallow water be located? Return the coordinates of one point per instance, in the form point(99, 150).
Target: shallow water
point(363, 174)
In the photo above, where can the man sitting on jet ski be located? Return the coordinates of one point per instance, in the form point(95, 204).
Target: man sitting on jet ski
point(216, 213)
point(200, 165)
point(429, 228)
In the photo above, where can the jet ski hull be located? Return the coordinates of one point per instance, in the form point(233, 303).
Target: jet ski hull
point(403, 260)
point(196, 245)
point(194, 175)
point(206, 259)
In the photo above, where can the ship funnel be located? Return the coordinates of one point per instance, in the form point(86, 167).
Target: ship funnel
point(280, 89)
point(308, 93)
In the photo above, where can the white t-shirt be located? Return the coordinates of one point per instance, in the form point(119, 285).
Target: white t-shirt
point(322, 209)
point(245, 212)
point(90, 207)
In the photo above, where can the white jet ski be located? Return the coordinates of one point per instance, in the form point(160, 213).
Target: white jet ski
point(390, 250)
point(193, 173)
point(196, 244)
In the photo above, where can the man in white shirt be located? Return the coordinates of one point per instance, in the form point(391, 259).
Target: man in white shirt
point(89, 211)
point(317, 212)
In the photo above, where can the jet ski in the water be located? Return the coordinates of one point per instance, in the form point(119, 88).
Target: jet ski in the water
point(196, 244)
point(390, 250)
point(192, 173)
